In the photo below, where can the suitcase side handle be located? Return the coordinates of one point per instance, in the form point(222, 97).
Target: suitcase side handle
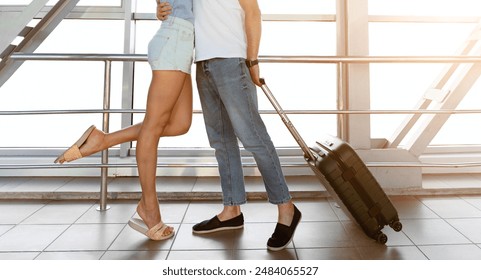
point(308, 154)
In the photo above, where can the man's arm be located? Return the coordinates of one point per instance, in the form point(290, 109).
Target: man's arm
point(253, 26)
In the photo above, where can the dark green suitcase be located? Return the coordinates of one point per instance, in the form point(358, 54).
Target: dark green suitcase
point(355, 186)
point(347, 179)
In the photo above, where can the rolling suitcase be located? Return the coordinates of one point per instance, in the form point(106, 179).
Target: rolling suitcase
point(347, 179)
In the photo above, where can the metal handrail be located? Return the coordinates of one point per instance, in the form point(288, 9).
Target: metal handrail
point(272, 112)
point(266, 59)
point(370, 59)
point(106, 111)
point(262, 58)
point(215, 165)
point(80, 57)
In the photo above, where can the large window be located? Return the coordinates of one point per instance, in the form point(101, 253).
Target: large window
point(62, 85)
point(420, 28)
point(305, 28)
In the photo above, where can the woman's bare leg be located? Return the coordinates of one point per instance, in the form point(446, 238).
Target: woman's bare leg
point(179, 124)
point(167, 102)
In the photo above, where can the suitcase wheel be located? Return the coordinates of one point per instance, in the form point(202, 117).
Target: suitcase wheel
point(396, 225)
point(381, 238)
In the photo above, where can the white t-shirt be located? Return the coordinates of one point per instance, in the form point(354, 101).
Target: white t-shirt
point(219, 29)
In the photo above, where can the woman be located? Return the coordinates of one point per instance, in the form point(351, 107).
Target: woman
point(168, 112)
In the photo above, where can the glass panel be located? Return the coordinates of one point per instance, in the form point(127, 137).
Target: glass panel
point(271, 6)
point(298, 7)
point(62, 85)
point(298, 38)
point(110, 3)
point(401, 86)
point(145, 6)
point(425, 7)
point(463, 128)
point(397, 87)
point(16, 2)
point(417, 38)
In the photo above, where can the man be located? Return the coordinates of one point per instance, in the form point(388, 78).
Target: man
point(227, 39)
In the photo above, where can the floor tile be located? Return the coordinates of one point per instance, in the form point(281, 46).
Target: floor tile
point(87, 237)
point(18, 256)
point(432, 232)
point(87, 255)
point(316, 210)
point(135, 255)
point(471, 228)
point(259, 212)
point(321, 234)
point(434, 227)
point(451, 207)
point(119, 212)
point(287, 254)
point(391, 253)
point(329, 254)
point(5, 228)
point(201, 255)
point(340, 211)
point(410, 207)
point(174, 212)
point(59, 212)
point(30, 237)
point(14, 212)
point(452, 252)
point(204, 210)
point(474, 200)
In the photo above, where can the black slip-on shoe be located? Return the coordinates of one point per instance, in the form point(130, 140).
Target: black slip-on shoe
point(283, 234)
point(214, 225)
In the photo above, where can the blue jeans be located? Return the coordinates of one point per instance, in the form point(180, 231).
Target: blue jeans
point(229, 104)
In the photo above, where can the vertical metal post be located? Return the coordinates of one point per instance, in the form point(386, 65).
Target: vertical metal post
point(105, 127)
point(342, 101)
point(128, 71)
point(342, 50)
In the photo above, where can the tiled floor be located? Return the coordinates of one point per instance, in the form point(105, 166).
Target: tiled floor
point(434, 227)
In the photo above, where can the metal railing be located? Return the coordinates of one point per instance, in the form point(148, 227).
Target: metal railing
point(341, 63)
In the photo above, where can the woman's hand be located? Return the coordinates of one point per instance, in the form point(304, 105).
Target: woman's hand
point(163, 10)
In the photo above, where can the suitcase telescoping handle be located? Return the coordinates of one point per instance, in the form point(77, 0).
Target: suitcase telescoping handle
point(308, 154)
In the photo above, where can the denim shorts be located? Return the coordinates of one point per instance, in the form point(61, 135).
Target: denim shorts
point(172, 47)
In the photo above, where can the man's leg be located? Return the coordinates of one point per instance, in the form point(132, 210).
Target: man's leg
point(239, 98)
point(221, 137)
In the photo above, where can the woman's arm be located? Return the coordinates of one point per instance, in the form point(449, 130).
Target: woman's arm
point(163, 10)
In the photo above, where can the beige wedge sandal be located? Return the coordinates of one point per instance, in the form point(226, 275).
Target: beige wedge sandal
point(73, 152)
